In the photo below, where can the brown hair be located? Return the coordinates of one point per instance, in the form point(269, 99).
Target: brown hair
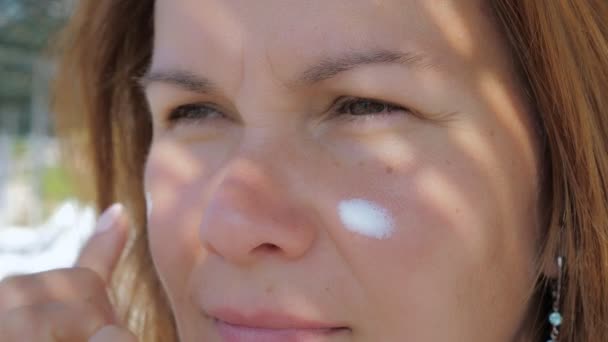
point(561, 47)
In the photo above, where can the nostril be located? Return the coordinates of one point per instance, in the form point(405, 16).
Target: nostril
point(267, 247)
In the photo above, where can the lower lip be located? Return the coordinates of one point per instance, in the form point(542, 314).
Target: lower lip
point(239, 333)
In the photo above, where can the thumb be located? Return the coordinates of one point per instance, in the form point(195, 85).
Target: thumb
point(102, 251)
point(113, 333)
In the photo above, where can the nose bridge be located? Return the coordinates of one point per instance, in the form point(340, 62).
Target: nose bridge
point(250, 211)
point(262, 92)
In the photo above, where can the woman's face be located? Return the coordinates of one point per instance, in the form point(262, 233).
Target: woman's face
point(340, 171)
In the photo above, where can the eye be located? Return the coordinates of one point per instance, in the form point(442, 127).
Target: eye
point(351, 107)
point(193, 113)
point(356, 106)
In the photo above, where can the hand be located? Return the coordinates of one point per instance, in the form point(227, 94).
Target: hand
point(69, 304)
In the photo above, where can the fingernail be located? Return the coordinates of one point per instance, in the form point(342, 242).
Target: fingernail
point(108, 218)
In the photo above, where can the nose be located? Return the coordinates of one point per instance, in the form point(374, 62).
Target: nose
point(249, 214)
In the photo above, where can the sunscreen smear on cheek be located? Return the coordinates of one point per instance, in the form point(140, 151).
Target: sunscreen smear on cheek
point(366, 218)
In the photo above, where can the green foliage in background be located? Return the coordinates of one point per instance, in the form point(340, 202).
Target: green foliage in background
point(56, 185)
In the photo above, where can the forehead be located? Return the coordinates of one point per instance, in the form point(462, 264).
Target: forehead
point(320, 21)
point(283, 33)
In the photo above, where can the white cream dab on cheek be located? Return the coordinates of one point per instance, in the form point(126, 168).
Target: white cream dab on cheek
point(366, 218)
point(148, 203)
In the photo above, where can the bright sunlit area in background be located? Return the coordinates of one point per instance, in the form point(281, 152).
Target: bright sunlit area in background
point(42, 225)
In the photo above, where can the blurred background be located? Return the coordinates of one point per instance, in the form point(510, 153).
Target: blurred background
point(42, 225)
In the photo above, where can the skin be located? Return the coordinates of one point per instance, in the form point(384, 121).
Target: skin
point(245, 199)
point(69, 304)
point(246, 196)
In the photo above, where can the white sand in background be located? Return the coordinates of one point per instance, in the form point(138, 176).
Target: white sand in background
point(54, 244)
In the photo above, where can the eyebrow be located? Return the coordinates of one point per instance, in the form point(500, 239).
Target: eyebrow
point(184, 79)
point(330, 67)
point(322, 70)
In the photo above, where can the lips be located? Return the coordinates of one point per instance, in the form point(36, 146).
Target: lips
point(264, 326)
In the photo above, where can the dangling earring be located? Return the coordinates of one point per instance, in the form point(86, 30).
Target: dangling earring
point(555, 317)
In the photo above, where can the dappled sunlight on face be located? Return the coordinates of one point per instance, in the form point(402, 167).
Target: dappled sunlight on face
point(456, 29)
point(170, 173)
point(169, 167)
point(268, 117)
point(512, 112)
point(391, 150)
point(452, 201)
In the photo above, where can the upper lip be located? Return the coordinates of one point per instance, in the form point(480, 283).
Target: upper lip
point(266, 319)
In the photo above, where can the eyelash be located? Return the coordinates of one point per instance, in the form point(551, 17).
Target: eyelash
point(345, 104)
point(344, 110)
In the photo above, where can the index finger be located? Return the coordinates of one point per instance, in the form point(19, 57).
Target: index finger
point(102, 251)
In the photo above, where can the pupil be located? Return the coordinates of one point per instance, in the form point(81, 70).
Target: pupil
point(364, 107)
point(195, 112)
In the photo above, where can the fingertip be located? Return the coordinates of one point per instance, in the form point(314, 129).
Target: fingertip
point(109, 218)
point(103, 250)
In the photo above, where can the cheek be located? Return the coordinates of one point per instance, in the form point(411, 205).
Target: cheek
point(462, 237)
point(171, 177)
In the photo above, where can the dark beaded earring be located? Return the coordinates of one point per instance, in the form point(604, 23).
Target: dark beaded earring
point(555, 317)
